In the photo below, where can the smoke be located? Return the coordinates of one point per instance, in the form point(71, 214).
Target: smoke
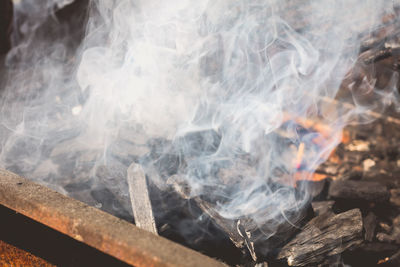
point(217, 92)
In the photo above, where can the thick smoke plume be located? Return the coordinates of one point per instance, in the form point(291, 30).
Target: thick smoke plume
point(193, 88)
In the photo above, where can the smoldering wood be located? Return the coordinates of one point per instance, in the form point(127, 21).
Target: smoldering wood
point(321, 207)
point(244, 232)
point(139, 194)
point(228, 226)
point(395, 197)
point(369, 253)
point(313, 188)
point(385, 227)
point(393, 260)
point(358, 190)
point(386, 238)
point(392, 234)
point(370, 223)
point(376, 247)
point(374, 56)
point(6, 15)
point(374, 40)
point(322, 237)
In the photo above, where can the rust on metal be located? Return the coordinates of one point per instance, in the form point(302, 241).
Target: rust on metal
point(94, 227)
point(13, 256)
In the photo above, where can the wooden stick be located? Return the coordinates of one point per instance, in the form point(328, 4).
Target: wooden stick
point(139, 193)
point(322, 237)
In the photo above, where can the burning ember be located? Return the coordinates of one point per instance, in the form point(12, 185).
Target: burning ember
point(227, 126)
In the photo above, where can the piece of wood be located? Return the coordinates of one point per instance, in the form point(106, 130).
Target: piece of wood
point(370, 224)
point(394, 260)
point(395, 197)
point(312, 188)
point(140, 200)
point(376, 247)
point(358, 190)
point(374, 56)
point(321, 207)
point(94, 227)
point(368, 254)
point(6, 16)
point(324, 236)
point(244, 232)
point(228, 226)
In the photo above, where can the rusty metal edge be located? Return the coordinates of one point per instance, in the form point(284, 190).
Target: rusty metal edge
point(94, 227)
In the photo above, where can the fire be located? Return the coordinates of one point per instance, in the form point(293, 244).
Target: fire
point(300, 154)
point(325, 132)
point(304, 175)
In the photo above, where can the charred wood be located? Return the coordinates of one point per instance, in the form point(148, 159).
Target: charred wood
point(321, 207)
point(393, 260)
point(324, 236)
point(375, 56)
point(370, 223)
point(369, 254)
point(358, 190)
point(6, 14)
point(228, 226)
point(395, 197)
point(244, 232)
point(316, 189)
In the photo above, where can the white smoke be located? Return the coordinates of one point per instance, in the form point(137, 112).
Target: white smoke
point(215, 79)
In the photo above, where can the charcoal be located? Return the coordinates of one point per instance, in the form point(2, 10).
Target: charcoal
point(187, 224)
point(228, 226)
point(378, 55)
point(370, 223)
point(314, 188)
point(321, 207)
point(6, 14)
point(387, 238)
point(262, 264)
point(244, 232)
point(358, 190)
point(393, 261)
point(322, 237)
point(395, 197)
point(391, 179)
point(369, 254)
point(377, 247)
point(385, 227)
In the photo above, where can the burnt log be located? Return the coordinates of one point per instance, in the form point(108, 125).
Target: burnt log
point(394, 260)
point(316, 189)
point(358, 190)
point(370, 224)
point(228, 226)
point(321, 207)
point(6, 14)
point(395, 197)
point(369, 254)
point(393, 233)
point(323, 237)
point(378, 55)
point(244, 232)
